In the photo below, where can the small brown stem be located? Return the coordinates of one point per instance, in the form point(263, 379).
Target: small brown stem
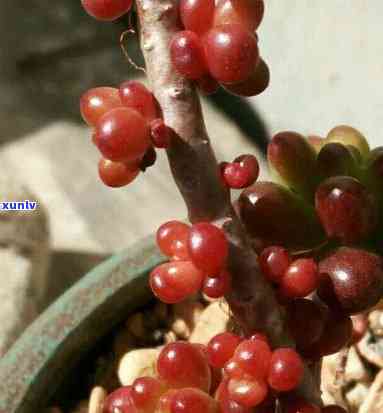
point(196, 173)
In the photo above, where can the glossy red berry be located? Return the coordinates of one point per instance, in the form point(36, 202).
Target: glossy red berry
point(351, 278)
point(253, 357)
point(116, 174)
point(161, 134)
point(208, 248)
point(183, 364)
point(120, 400)
point(173, 238)
point(286, 370)
point(248, 391)
point(145, 393)
point(254, 85)
point(274, 262)
point(300, 279)
point(136, 96)
point(187, 55)
point(217, 287)
point(221, 348)
point(191, 400)
point(231, 53)
point(226, 404)
point(98, 101)
point(173, 282)
point(347, 210)
point(241, 173)
point(107, 9)
point(122, 134)
point(197, 15)
point(248, 13)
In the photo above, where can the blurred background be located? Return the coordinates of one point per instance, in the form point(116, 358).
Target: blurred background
point(326, 60)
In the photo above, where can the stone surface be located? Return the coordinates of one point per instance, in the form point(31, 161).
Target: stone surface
point(24, 257)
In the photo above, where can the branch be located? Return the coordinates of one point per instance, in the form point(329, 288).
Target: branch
point(196, 173)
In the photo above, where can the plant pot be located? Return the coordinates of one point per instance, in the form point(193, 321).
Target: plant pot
point(33, 369)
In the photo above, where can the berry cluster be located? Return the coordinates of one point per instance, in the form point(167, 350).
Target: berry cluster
point(229, 375)
point(219, 45)
point(126, 126)
point(198, 256)
point(328, 207)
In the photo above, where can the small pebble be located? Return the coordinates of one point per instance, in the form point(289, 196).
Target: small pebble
point(97, 399)
point(137, 363)
point(214, 319)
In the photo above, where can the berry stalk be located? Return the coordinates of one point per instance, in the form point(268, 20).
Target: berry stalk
point(197, 175)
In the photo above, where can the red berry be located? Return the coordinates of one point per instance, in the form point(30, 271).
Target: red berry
point(107, 9)
point(352, 279)
point(116, 174)
point(333, 409)
point(161, 133)
point(233, 369)
point(241, 173)
point(274, 262)
point(208, 248)
point(172, 239)
point(145, 393)
point(122, 134)
point(248, 13)
point(187, 55)
point(255, 84)
point(231, 53)
point(337, 333)
point(197, 15)
point(298, 405)
point(136, 96)
point(248, 391)
point(174, 281)
point(253, 357)
point(98, 101)
point(286, 370)
point(347, 210)
point(306, 322)
point(226, 404)
point(221, 348)
point(183, 364)
point(165, 402)
point(192, 400)
point(300, 279)
point(120, 400)
point(217, 287)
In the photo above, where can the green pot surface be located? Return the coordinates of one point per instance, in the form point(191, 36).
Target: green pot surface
point(34, 368)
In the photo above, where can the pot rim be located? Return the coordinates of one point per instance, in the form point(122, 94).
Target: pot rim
point(32, 370)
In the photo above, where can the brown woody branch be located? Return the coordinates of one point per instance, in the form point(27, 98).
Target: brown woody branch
point(196, 173)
